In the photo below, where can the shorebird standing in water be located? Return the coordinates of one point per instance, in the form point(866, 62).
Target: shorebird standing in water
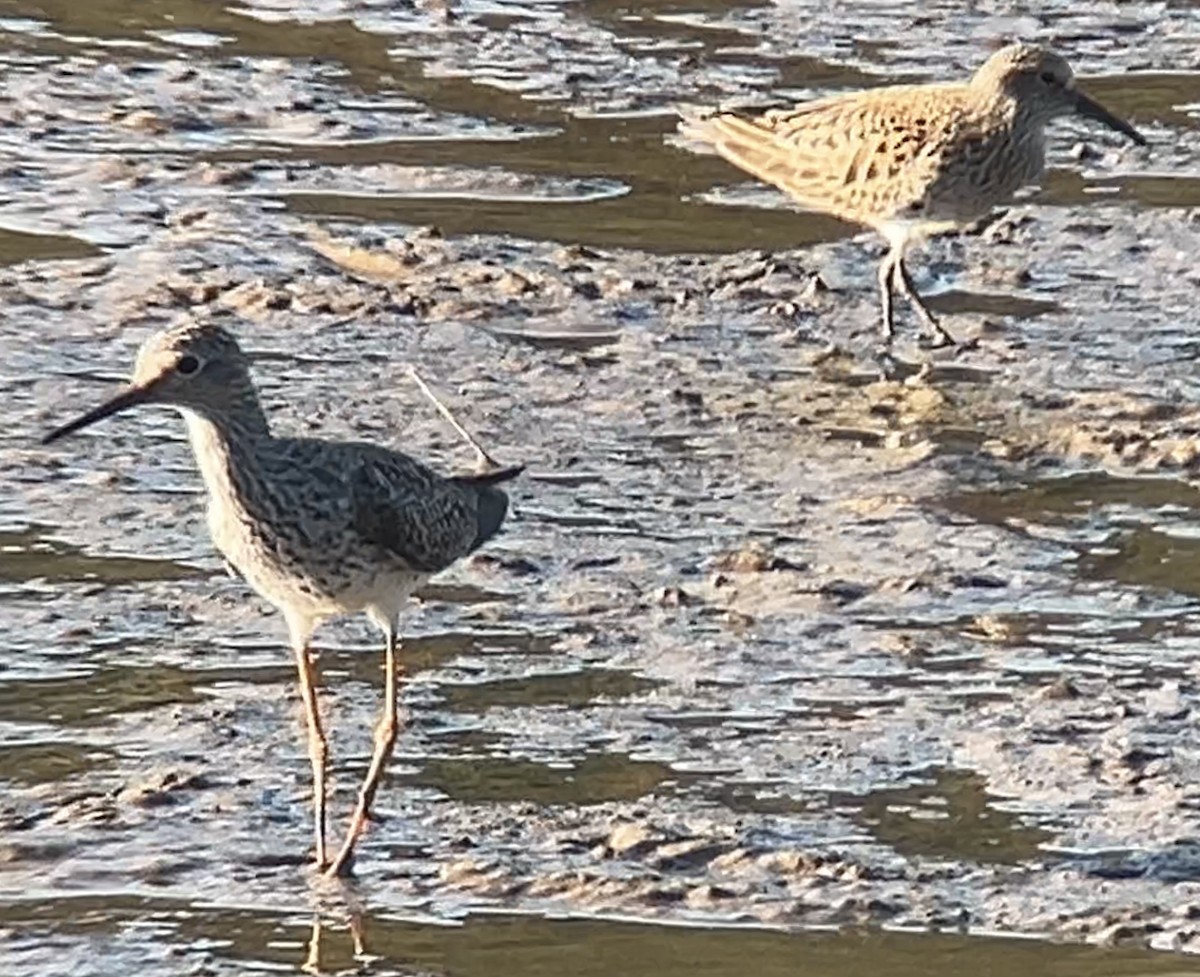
point(912, 160)
point(318, 528)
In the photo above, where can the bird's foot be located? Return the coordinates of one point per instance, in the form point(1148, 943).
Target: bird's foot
point(925, 374)
point(937, 338)
point(889, 366)
point(829, 352)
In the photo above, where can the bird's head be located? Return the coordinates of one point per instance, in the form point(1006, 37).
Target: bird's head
point(198, 367)
point(1044, 85)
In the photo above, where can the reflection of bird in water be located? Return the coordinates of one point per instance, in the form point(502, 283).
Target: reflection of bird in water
point(912, 160)
point(312, 959)
point(318, 528)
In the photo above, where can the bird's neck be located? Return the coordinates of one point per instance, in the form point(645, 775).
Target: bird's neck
point(227, 448)
point(1029, 117)
point(1023, 115)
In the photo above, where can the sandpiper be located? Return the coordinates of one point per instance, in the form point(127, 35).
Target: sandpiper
point(318, 528)
point(909, 161)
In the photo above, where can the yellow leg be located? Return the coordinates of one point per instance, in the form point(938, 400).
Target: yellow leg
point(318, 748)
point(385, 742)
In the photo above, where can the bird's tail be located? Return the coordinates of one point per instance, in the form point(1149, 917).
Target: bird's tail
point(755, 148)
point(784, 150)
point(695, 130)
point(492, 504)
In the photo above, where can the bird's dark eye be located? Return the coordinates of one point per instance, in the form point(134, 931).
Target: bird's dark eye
point(1048, 78)
point(188, 364)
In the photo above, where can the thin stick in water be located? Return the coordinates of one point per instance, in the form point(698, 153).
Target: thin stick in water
point(486, 461)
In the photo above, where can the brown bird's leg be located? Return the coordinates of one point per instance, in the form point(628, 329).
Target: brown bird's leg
point(385, 742)
point(932, 326)
point(318, 748)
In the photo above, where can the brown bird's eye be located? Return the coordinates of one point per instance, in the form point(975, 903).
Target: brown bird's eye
point(1047, 78)
point(187, 365)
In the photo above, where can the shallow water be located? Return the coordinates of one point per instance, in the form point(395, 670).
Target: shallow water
point(834, 662)
point(219, 940)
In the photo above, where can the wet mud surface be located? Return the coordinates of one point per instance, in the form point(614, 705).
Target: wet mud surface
point(769, 640)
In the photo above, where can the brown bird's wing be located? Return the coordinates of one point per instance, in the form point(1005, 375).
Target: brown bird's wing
point(863, 157)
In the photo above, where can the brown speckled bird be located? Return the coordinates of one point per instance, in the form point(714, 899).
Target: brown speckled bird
point(318, 528)
point(912, 160)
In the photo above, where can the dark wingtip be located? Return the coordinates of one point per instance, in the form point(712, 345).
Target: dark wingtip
point(490, 513)
point(492, 503)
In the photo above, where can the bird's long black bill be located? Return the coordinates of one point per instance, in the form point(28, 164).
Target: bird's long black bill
point(1094, 110)
point(129, 397)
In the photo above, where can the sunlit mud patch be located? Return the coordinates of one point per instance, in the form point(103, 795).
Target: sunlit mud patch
point(1139, 531)
point(1108, 669)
